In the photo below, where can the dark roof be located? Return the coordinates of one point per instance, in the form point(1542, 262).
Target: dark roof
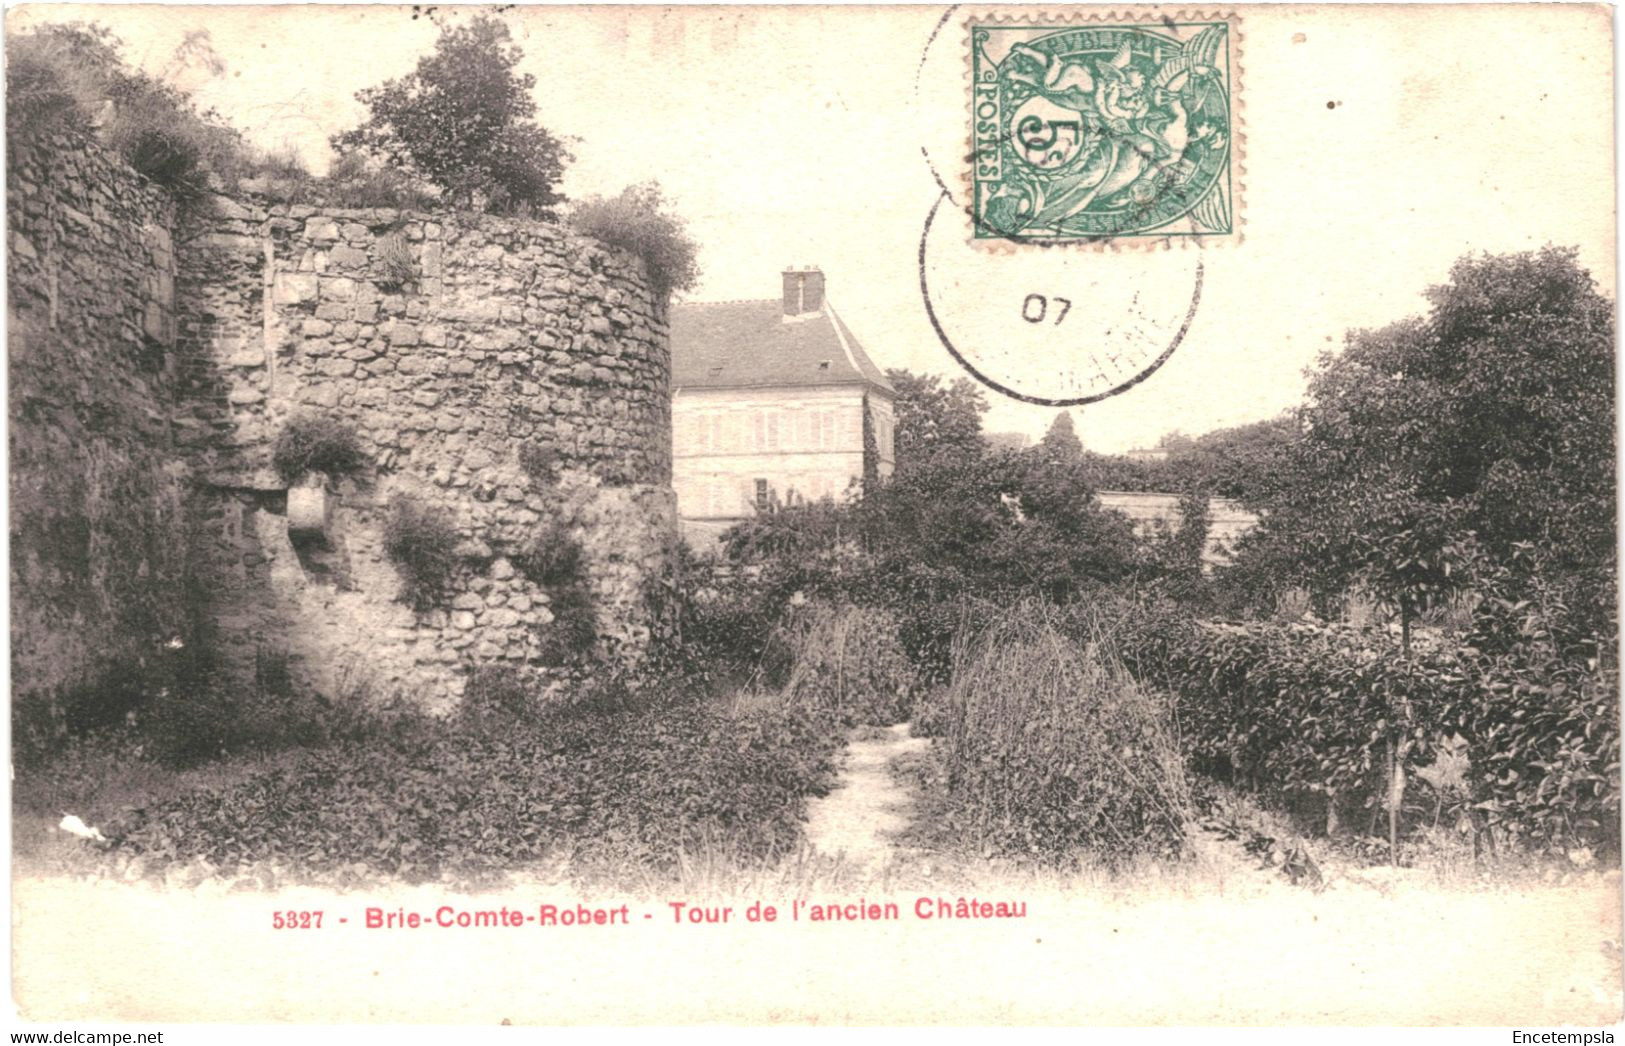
point(748, 344)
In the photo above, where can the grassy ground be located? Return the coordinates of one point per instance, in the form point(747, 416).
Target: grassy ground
point(1217, 936)
point(639, 788)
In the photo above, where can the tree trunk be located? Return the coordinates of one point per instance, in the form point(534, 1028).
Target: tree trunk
point(1393, 807)
point(1396, 782)
point(1405, 626)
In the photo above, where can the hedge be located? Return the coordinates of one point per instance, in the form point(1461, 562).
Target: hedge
point(1306, 714)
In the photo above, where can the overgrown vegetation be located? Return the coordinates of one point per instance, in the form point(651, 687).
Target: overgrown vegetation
point(632, 788)
point(845, 660)
point(353, 181)
point(396, 266)
point(463, 122)
point(1310, 715)
point(1075, 674)
point(72, 77)
point(1052, 750)
point(554, 561)
point(641, 222)
point(422, 543)
point(1469, 448)
point(316, 443)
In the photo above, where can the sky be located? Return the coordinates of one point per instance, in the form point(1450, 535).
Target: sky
point(1381, 144)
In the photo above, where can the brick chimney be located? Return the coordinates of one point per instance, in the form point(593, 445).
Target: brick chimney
point(803, 291)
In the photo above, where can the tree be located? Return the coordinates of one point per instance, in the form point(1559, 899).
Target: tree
point(463, 121)
point(1061, 442)
point(1475, 440)
point(1242, 462)
point(933, 417)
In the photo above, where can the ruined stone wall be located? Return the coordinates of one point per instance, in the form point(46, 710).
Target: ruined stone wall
point(457, 348)
point(154, 352)
point(98, 564)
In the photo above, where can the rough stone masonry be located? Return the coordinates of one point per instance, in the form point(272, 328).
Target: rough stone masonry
point(187, 338)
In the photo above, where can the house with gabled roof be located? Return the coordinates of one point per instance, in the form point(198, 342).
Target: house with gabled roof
point(774, 403)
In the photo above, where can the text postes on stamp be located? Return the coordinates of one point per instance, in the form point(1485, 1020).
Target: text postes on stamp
point(1101, 131)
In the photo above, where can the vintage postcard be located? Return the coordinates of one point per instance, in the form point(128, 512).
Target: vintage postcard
point(855, 515)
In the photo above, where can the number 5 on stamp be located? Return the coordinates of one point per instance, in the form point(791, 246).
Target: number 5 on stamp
point(1101, 131)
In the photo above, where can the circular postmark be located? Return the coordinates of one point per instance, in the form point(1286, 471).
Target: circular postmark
point(1057, 329)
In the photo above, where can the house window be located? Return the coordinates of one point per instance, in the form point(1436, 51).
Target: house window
point(761, 495)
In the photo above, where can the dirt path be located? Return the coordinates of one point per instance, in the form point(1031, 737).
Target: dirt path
point(861, 817)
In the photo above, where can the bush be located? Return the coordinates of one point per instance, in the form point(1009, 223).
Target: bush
point(846, 661)
point(574, 629)
point(496, 694)
point(934, 713)
point(1305, 715)
point(422, 543)
point(311, 442)
point(551, 559)
point(554, 560)
point(72, 76)
point(200, 716)
point(353, 182)
point(1053, 748)
point(171, 161)
point(637, 788)
point(638, 222)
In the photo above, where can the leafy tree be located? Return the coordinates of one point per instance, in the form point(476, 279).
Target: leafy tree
point(1116, 472)
point(464, 121)
point(1061, 442)
point(1176, 442)
point(1241, 462)
point(933, 417)
point(1477, 439)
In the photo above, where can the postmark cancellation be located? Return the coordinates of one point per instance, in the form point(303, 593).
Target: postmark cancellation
point(1120, 129)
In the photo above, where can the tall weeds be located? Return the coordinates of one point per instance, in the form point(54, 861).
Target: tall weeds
point(1052, 748)
point(845, 660)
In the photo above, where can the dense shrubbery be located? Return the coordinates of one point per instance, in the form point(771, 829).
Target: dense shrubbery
point(71, 77)
point(1473, 447)
point(185, 709)
point(354, 182)
point(846, 660)
point(314, 442)
point(1306, 714)
point(946, 532)
point(1051, 748)
point(640, 222)
point(635, 785)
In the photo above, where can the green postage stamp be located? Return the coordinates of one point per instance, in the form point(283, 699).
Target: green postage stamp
point(1102, 130)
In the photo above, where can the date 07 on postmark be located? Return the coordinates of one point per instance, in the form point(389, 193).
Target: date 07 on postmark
point(1099, 131)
